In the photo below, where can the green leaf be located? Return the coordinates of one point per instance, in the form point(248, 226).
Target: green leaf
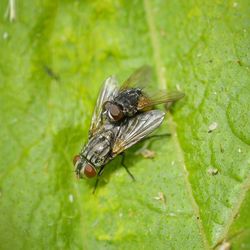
point(54, 58)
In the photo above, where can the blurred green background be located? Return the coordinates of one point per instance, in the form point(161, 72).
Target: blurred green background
point(53, 59)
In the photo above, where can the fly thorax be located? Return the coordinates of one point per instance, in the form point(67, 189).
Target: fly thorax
point(98, 149)
point(128, 99)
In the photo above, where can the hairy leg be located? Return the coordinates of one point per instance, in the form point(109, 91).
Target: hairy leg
point(123, 164)
point(97, 178)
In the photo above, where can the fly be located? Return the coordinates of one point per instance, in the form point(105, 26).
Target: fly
point(107, 140)
point(132, 97)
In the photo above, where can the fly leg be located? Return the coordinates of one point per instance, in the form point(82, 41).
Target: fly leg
point(155, 136)
point(144, 151)
point(97, 178)
point(123, 164)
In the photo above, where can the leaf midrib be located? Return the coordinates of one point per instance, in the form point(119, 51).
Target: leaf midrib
point(160, 70)
point(161, 75)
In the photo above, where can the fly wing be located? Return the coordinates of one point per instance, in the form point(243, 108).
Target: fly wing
point(140, 78)
point(137, 128)
point(108, 91)
point(159, 97)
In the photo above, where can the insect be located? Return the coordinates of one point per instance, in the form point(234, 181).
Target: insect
point(107, 140)
point(132, 97)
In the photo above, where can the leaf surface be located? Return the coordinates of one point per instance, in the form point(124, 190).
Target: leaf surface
point(54, 58)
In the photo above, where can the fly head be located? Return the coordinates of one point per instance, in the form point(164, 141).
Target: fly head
point(83, 168)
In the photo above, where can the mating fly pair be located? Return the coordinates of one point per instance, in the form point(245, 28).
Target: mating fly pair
point(122, 117)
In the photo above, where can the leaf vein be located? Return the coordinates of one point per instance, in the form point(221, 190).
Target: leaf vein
point(245, 188)
point(163, 84)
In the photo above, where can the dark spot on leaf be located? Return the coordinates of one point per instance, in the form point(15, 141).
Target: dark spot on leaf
point(239, 62)
point(51, 73)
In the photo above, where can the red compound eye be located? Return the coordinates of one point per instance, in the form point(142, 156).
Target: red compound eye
point(89, 171)
point(116, 112)
point(76, 159)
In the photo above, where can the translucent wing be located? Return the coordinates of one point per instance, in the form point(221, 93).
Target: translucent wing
point(137, 128)
point(108, 91)
point(140, 78)
point(149, 100)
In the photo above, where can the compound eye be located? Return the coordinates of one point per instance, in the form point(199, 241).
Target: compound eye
point(89, 171)
point(116, 112)
point(76, 159)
